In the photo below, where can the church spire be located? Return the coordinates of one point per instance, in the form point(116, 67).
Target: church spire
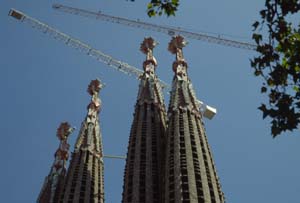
point(190, 174)
point(54, 181)
point(84, 181)
point(144, 163)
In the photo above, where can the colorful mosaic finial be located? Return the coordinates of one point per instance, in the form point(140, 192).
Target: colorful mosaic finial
point(180, 65)
point(95, 86)
point(177, 42)
point(147, 47)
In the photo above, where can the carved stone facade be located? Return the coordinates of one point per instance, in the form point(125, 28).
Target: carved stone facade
point(144, 164)
point(190, 174)
point(84, 180)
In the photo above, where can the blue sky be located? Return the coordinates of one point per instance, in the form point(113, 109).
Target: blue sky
point(43, 82)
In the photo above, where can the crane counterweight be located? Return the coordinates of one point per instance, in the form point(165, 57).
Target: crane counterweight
point(16, 14)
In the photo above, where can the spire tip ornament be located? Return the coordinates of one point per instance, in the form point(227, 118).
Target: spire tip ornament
point(64, 130)
point(95, 86)
point(179, 65)
point(148, 44)
point(147, 47)
point(177, 42)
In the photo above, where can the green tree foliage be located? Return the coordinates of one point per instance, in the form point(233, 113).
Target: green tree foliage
point(159, 7)
point(278, 64)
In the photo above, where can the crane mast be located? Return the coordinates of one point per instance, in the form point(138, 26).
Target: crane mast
point(153, 27)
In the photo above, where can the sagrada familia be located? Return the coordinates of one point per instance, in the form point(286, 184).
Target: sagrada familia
point(168, 159)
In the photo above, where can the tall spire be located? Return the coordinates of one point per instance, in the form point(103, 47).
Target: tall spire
point(84, 181)
point(190, 174)
point(143, 170)
point(53, 182)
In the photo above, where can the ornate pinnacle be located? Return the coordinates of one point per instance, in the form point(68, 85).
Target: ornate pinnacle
point(94, 107)
point(147, 47)
point(58, 169)
point(179, 66)
point(64, 130)
point(177, 42)
point(94, 87)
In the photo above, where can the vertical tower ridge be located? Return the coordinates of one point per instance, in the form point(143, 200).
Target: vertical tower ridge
point(54, 181)
point(84, 182)
point(144, 164)
point(190, 174)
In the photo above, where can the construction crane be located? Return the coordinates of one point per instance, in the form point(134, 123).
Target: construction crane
point(77, 44)
point(153, 27)
point(206, 110)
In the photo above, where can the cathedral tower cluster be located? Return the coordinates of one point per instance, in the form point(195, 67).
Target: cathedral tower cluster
point(168, 158)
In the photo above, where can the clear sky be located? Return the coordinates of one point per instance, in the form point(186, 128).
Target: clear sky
point(44, 82)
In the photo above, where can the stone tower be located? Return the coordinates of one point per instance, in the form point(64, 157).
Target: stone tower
point(190, 174)
point(54, 181)
point(84, 179)
point(144, 164)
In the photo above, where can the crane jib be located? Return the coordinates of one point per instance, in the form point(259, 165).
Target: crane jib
point(157, 28)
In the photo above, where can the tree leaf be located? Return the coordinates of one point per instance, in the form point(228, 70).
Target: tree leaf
point(296, 88)
point(264, 110)
point(255, 25)
point(257, 38)
point(151, 13)
point(263, 89)
point(149, 6)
